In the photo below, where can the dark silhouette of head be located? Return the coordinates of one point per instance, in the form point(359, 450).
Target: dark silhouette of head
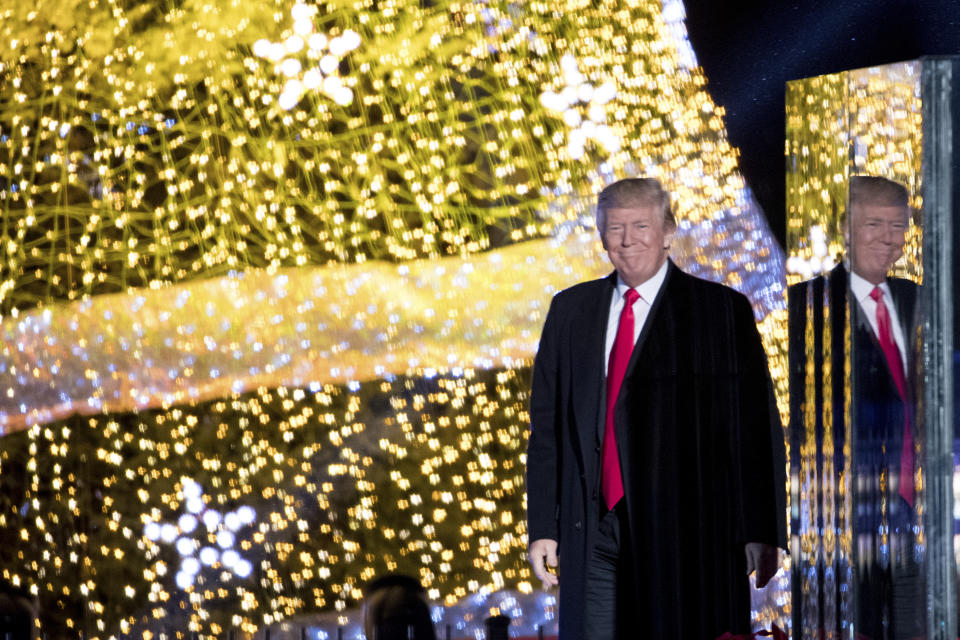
point(395, 608)
point(16, 613)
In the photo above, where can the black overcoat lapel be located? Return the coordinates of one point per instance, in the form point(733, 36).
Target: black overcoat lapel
point(591, 328)
point(641, 346)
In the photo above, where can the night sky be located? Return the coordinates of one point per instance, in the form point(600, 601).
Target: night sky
point(749, 49)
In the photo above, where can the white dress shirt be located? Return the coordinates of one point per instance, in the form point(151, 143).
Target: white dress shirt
point(641, 308)
point(861, 291)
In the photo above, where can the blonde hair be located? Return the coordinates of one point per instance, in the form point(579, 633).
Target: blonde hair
point(634, 192)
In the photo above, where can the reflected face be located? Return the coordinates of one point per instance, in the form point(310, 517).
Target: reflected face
point(636, 240)
point(877, 236)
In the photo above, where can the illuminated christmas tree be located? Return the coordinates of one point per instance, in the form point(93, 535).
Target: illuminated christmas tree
point(294, 258)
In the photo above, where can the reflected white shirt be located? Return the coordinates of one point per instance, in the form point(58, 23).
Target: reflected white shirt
point(861, 291)
point(641, 308)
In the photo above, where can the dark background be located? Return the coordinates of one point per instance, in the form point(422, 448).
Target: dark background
point(749, 49)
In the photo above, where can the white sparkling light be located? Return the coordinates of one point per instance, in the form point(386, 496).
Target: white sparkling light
point(276, 52)
point(331, 84)
point(211, 519)
point(317, 42)
point(208, 556)
point(184, 580)
point(343, 96)
point(222, 526)
point(329, 64)
point(152, 531)
point(351, 39)
point(293, 44)
point(168, 533)
point(191, 489)
point(225, 539)
point(290, 67)
point(232, 521)
point(338, 46)
point(550, 100)
point(242, 568)
point(312, 79)
point(247, 514)
point(187, 522)
point(230, 558)
point(261, 48)
point(195, 505)
point(605, 93)
point(572, 117)
point(302, 27)
point(185, 546)
point(596, 112)
point(570, 103)
point(190, 565)
point(301, 11)
point(288, 100)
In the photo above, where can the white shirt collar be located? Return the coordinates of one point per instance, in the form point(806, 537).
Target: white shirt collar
point(648, 290)
point(861, 288)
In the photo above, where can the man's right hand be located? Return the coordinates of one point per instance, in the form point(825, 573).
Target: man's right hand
point(543, 554)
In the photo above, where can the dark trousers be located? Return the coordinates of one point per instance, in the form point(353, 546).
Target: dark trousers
point(600, 608)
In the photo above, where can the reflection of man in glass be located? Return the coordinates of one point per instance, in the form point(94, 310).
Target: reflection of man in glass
point(889, 590)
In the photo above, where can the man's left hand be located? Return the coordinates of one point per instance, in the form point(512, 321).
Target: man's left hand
point(764, 559)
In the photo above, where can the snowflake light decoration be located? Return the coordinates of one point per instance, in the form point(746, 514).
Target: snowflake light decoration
point(818, 259)
point(322, 52)
point(208, 546)
point(580, 98)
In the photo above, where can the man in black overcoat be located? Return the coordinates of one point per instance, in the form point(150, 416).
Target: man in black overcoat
point(889, 588)
point(650, 521)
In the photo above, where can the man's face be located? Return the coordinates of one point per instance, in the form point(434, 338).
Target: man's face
point(877, 236)
point(636, 241)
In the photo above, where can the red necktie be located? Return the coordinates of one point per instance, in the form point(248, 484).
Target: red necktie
point(611, 480)
point(892, 353)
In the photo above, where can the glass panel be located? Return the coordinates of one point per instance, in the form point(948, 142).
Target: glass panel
point(936, 331)
point(884, 268)
point(870, 415)
point(817, 149)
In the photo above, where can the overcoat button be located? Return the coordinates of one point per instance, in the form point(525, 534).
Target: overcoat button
point(576, 525)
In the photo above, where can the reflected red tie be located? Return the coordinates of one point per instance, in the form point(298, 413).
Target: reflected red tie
point(611, 480)
point(892, 353)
